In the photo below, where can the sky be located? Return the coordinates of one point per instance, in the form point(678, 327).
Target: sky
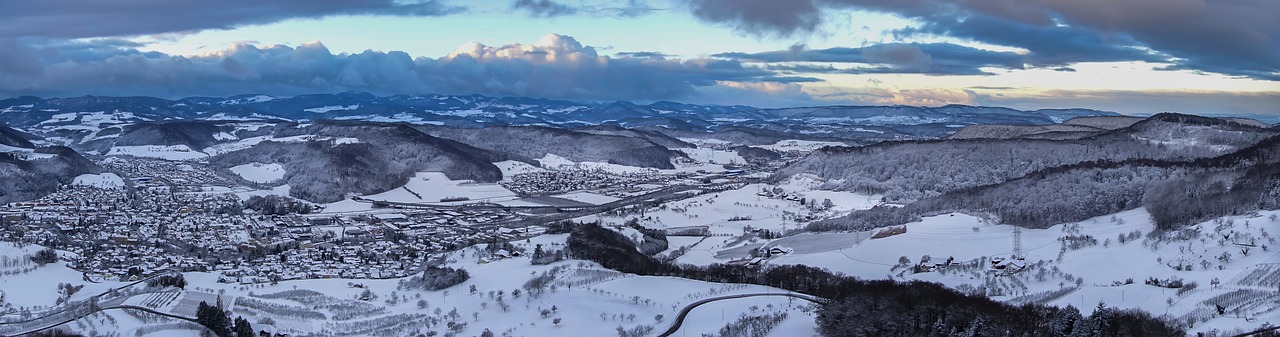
point(1129, 56)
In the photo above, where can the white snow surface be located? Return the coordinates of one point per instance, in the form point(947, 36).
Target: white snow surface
point(798, 145)
point(430, 188)
point(587, 197)
point(329, 108)
point(259, 172)
point(168, 152)
point(713, 156)
point(104, 180)
point(25, 152)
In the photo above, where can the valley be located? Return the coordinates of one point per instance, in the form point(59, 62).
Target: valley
point(320, 215)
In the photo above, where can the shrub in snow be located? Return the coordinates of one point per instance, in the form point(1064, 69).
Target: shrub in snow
point(435, 278)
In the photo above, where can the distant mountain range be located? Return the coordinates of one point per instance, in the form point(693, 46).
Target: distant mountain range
point(361, 143)
point(827, 122)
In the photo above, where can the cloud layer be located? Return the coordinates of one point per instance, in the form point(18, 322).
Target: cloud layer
point(556, 66)
point(95, 18)
point(1239, 37)
point(901, 58)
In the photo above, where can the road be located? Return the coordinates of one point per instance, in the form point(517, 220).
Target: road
point(120, 307)
point(79, 304)
point(679, 320)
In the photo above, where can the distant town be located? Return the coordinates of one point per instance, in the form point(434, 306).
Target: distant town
point(174, 216)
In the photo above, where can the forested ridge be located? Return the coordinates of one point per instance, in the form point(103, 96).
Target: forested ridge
point(906, 171)
point(533, 142)
point(1175, 192)
point(25, 177)
point(385, 157)
point(879, 307)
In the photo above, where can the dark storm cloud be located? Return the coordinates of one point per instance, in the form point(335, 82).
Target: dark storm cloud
point(544, 8)
point(1049, 46)
point(555, 67)
point(550, 8)
point(633, 8)
point(926, 58)
point(1236, 37)
point(93, 18)
point(761, 17)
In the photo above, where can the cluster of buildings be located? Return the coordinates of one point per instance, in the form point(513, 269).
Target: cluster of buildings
point(598, 181)
point(130, 232)
point(166, 218)
point(160, 173)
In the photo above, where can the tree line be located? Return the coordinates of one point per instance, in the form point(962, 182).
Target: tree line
point(859, 307)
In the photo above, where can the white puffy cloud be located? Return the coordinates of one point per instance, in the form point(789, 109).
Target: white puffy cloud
point(555, 66)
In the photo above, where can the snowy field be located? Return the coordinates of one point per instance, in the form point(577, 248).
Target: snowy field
point(789, 145)
point(712, 156)
point(1080, 277)
point(431, 187)
point(1232, 262)
point(510, 168)
point(259, 172)
point(728, 214)
point(588, 301)
point(590, 198)
point(34, 286)
point(104, 180)
point(169, 152)
point(24, 152)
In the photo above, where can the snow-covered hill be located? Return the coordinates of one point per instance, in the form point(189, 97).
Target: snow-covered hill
point(92, 114)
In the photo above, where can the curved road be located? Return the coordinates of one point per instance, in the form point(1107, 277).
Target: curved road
point(121, 307)
point(679, 320)
point(82, 302)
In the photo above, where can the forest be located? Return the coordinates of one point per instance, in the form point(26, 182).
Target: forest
point(536, 142)
point(858, 307)
point(385, 157)
point(906, 171)
point(1175, 192)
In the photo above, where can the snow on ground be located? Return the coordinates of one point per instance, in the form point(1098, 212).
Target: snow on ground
point(60, 118)
point(35, 286)
point(25, 152)
point(246, 193)
point(582, 294)
point(431, 187)
point(798, 323)
point(590, 198)
point(787, 145)
point(751, 209)
point(105, 180)
point(552, 161)
point(168, 152)
point(259, 172)
point(329, 108)
point(224, 136)
point(251, 141)
point(1100, 271)
point(93, 122)
point(247, 100)
point(1094, 268)
point(727, 215)
point(713, 156)
point(710, 317)
point(511, 168)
